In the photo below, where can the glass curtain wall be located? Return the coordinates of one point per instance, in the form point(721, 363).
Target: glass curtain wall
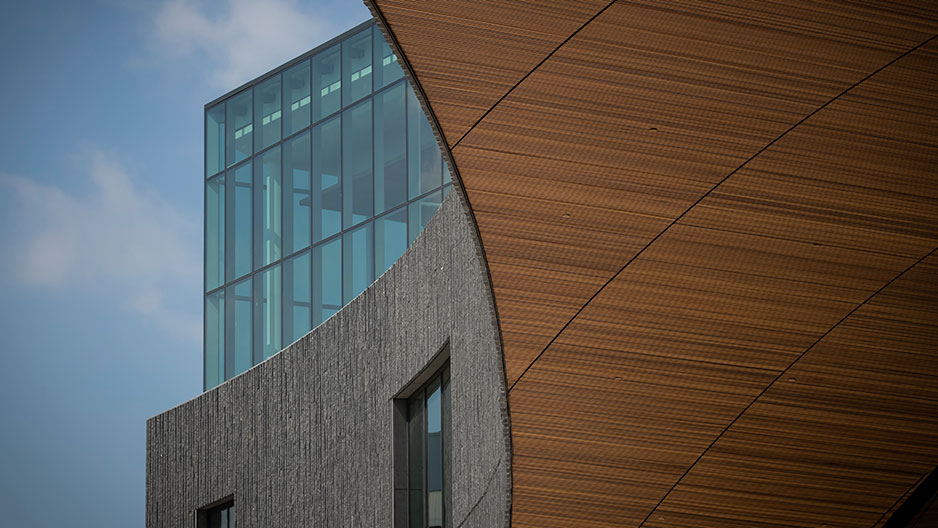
point(317, 178)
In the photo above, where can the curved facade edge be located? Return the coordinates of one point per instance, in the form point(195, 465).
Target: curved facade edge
point(458, 188)
point(305, 438)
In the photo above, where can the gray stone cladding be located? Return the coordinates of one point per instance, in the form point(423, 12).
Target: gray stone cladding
point(304, 438)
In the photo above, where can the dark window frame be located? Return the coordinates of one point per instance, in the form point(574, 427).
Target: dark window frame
point(204, 514)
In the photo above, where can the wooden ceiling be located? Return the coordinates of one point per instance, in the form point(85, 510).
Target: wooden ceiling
point(711, 232)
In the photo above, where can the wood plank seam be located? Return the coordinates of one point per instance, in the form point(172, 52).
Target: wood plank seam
point(708, 193)
point(780, 376)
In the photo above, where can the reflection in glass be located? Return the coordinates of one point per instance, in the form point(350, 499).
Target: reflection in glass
point(327, 83)
point(214, 339)
point(238, 307)
point(238, 222)
point(240, 134)
point(358, 262)
point(356, 163)
point(390, 239)
point(429, 452)
point(390, 149)
point(267, 113)
point(214, 232)
point(447, 450)
point(420, 212)
point(214, 139)
point(267, 313)
point(356, 66)
point(327, 280)
point(267, 192)
point(387, 69)
point(296, 98)
point(296, 193)
point(327, 178)
point(434, 456)
point(425, 163)
point(296, 297)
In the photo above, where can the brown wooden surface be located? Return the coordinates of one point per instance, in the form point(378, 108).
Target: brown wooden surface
point(622, 150)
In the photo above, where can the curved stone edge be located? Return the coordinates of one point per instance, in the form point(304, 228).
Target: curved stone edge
point(304, 438)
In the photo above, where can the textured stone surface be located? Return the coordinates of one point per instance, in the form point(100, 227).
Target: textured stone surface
point(304, 439)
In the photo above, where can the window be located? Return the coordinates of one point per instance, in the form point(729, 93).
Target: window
point(222, 516)
point(422, 445)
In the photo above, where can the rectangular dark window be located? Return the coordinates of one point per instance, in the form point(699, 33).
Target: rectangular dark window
point(222, 516)
point(422, 452)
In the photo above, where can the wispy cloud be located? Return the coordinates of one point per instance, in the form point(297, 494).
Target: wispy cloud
point(116, 237)
point(242, 38)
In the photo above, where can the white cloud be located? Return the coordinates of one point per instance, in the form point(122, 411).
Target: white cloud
point(243, 38)
point(117, 237)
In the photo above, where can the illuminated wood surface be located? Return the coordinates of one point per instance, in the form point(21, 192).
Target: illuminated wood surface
point(675, 207)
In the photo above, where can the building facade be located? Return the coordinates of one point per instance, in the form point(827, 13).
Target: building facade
point(687, 277)
point(318, 175)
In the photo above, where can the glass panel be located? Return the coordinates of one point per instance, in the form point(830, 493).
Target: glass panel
point(327, 178)
point(223, 518)
point(327, 280)
point(356, 67)
point(387, 69)
point(446, 189)
point(327, 82)
point(214, 232)
point(296, 298)
point(358, 261)
point(238, 308)
point(434, 455)
point(267, 233)
point(214, 338)
point(296, 98)
point(238, 222)
point(390, 239)
point(420, 213)
point(425, 164)
point(267, 113)
point(239, 138)
point(356, 163)
point(231, 516)
point(447, 452)
point(390, 149)
point(296, 193)
point(215, 139)
point(267, 313)
point(415, 458)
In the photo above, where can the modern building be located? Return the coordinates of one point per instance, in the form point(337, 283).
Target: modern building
point(687, 277)
point(317, 176)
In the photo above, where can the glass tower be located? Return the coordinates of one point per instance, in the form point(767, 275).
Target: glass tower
point(318, 175)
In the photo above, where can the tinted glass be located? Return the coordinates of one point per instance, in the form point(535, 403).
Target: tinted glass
point(420, 213)
point(434, 455)
point(387, 69)
point(390, 239)
point(214, 339)
point(447, 451)
point(415, 458)
point(356, 67)
point(267, 193)
point(390, 149)
point(425, 163)
point(358, 262)
point(296, 98)
point(356, 164)
point(267, 306)
point(327, 178)
point(215, 139)
point(214, 232)
point(267, 113)
point(327, 83)
point(240, 133)
point(238, 311)
point(296, 193)
point(327, 280)
point(296, 298)
point(238, 218)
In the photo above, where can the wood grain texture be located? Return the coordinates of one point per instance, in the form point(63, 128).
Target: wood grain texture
point(756, 192)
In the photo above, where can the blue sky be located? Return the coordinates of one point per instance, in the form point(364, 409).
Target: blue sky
point(101, 229)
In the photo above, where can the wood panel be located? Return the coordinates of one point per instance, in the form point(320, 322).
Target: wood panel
point(618, 134)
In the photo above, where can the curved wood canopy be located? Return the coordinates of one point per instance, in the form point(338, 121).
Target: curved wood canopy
point(711, 233)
